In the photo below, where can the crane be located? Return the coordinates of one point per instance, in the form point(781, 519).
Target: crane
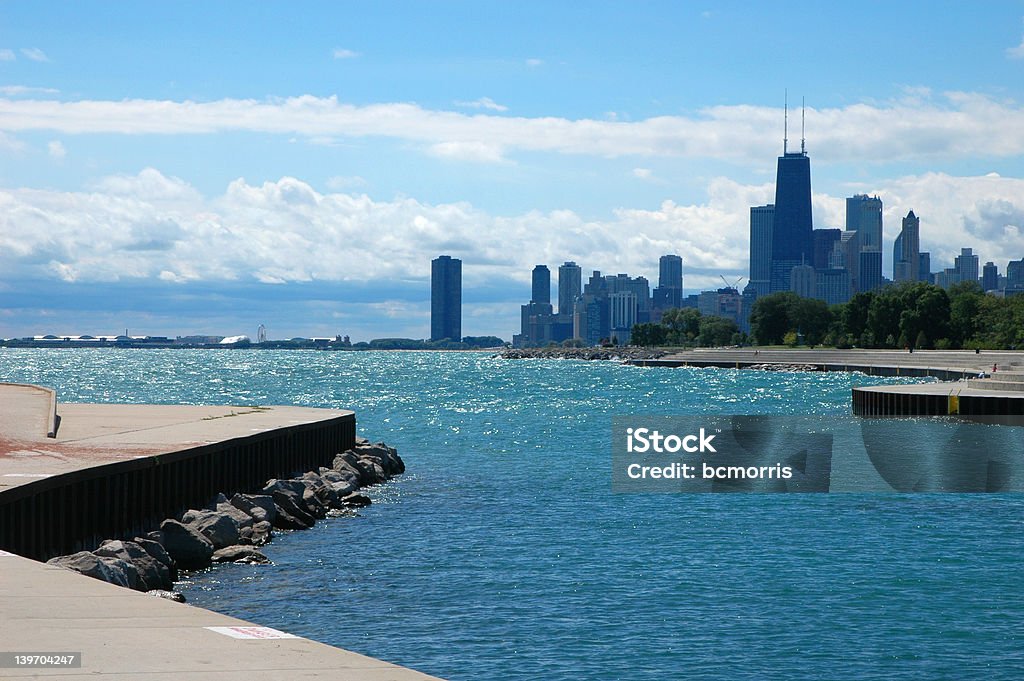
point(728, 285)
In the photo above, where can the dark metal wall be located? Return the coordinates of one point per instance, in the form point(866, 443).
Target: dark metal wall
point(75, 511)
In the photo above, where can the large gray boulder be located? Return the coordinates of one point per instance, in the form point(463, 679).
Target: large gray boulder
point(189, 548)
point(158, 552)
point(292, 512)
point(152, 574)
point(259, 507)
point(341, 484)
point(239, 554)
point(323, 490)
point(386, 457)
point(241, 518)
point(104, 568)
point(219, 528)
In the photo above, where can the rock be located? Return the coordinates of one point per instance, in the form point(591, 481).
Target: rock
point(104, 568)
point(219, 528)
point(259, 507)
point(239, 554)
point(216, 501)
point(291, 513)
point(169, 595)
point(387, 457)
point(358, 500)
point(158, 552)
point(324, 491)
point(342, 485)
point(189, 548)
point(241, 518)
point(152, 574)
point(297, 501)
point(261, 533)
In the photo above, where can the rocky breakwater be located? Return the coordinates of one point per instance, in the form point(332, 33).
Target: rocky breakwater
point(230, 529)
point(621, 354)
point(778, 366)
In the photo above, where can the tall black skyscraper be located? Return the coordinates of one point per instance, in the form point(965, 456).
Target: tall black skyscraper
point(792, 241)
point(446, 298)
point(669, 293)
point(570, 286)
point(541, 290)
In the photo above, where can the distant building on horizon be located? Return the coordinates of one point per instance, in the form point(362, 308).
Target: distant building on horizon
point(762, 221)
point(669, 292)
point(792, 226)
point(570, 286)
point(906, 251)
point(446, 298)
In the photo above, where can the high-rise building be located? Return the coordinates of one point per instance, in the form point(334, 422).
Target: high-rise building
point(966, 265)
point(907, 250)
point(802, 281)
point(832, 285)
point(623, 308)
point(924, 272)
point(669, 293)
point(864, 215)
point(824, 241)
point(1015, 274)
point(869, 271)
point(446, 298)
point(569, 286)
point(792, 228)
point(762, 221)
point(541, 290)
point(990, 277)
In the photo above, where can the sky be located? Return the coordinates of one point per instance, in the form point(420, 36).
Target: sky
point(202, 168)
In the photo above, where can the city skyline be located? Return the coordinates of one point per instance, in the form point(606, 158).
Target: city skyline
point(298, 170)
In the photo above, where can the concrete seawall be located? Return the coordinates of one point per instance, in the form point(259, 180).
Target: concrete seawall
point(117, 471)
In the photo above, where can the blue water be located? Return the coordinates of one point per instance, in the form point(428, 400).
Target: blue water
point(502, 555)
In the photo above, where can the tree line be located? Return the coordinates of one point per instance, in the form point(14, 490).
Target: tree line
point(914, 315)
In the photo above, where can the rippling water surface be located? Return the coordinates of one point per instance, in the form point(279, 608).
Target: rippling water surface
point(502, 555)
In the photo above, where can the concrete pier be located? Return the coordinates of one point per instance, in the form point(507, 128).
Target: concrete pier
point(116, 471)
point(942, 364)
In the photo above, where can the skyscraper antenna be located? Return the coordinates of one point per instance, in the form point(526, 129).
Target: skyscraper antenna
point(803, 108)
point(785, 121)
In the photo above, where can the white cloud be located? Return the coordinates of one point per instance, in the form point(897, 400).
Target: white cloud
point(342, 182)
point(10, 143)
point(533, 62)
point(19, 90)
point(642, 173)
point(56, 149)
point(477, 152)
point(482, 103)
point(953, 125)
point(156, 227)
point(342, 53)
point(34, 53)
point(7, 55)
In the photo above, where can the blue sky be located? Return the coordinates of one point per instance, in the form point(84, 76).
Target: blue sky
point(186, 168)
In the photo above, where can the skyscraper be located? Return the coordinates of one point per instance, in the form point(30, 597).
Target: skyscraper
point(907, 250)
point(669, 293)
point(762, 220)
point(792, 228)
point(966, 265)
point(990, 277)
point(864, 214)
point(446, 298)
point(823, 244)
point(541, 291)
point(569, 286)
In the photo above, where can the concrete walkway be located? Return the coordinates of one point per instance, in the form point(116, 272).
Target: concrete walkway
point(93, 434)
point(125, 634)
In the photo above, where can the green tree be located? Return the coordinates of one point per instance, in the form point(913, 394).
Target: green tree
point(770, 317)
point(716, 331)
point(853, 315)
point(810, 317)
point(648, 334)
point(965, 304)
point(682, 325)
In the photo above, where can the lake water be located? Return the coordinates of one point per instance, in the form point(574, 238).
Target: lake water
point(502, 554)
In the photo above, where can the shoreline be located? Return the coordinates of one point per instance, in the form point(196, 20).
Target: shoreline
point(108, 473)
